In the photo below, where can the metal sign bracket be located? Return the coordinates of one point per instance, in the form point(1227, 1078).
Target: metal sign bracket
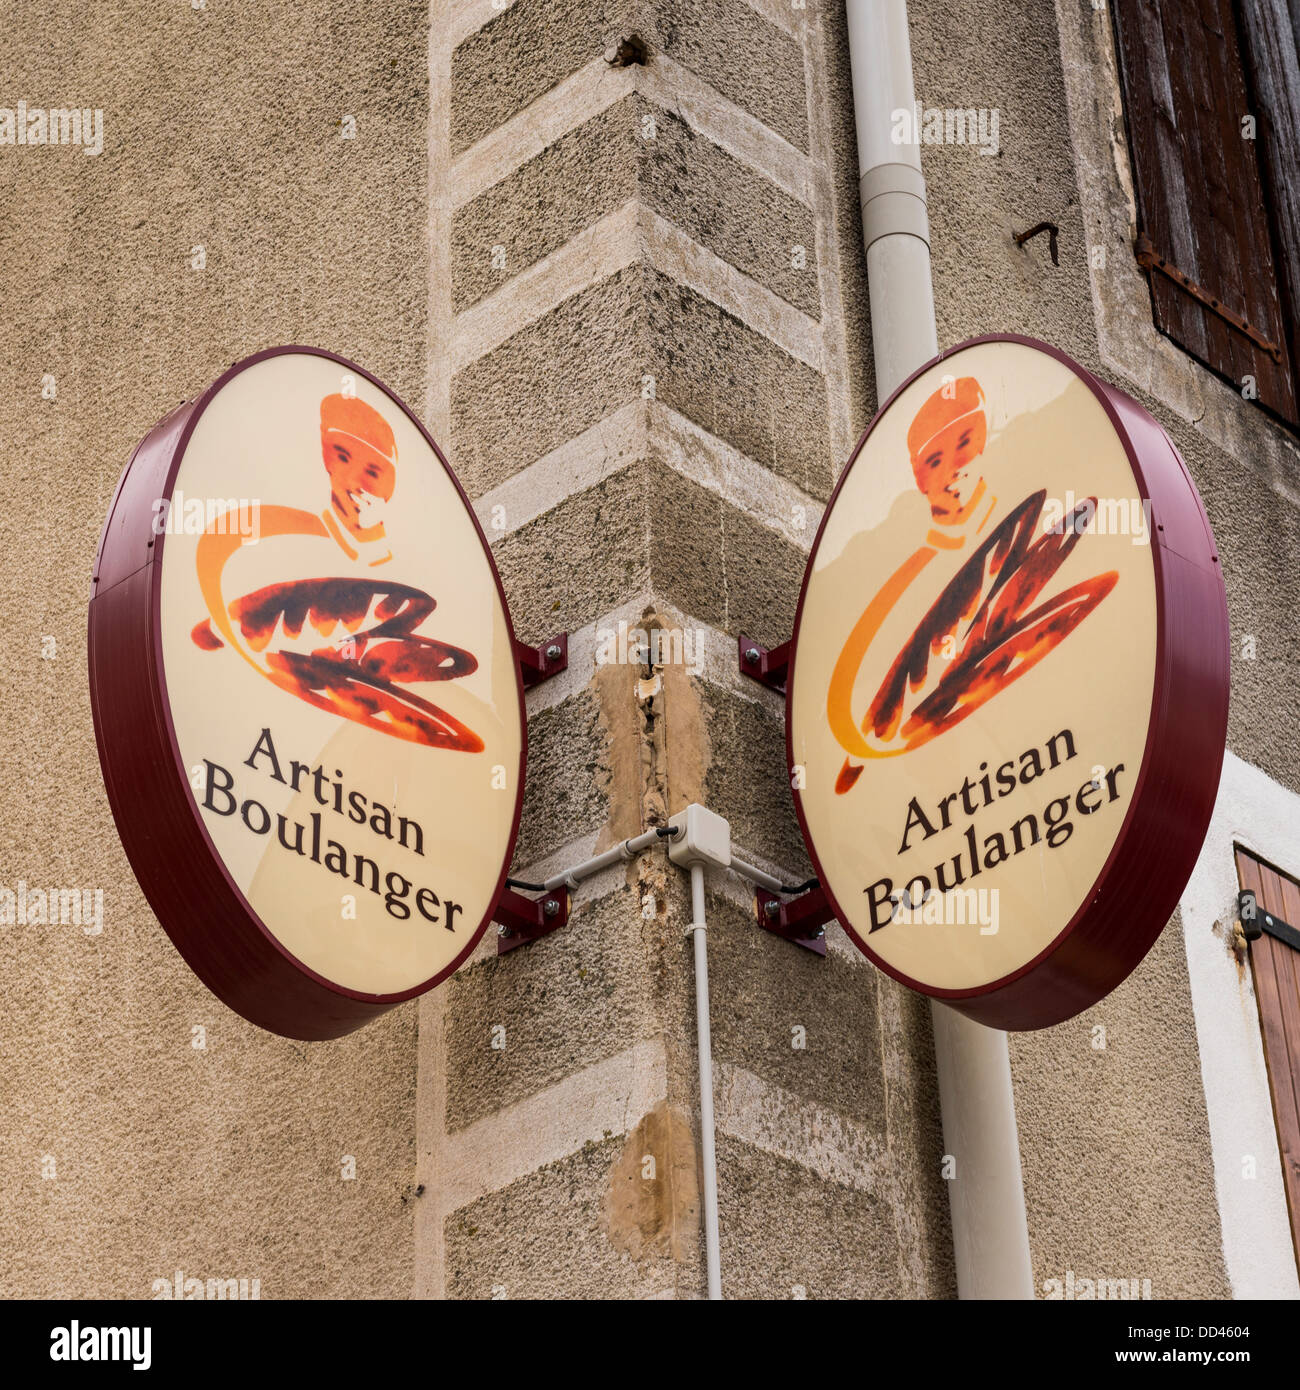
point(801, 920)
point(521, 920)
point(768, 666)
point(540, 663)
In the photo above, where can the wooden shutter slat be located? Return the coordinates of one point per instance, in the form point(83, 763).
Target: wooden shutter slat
point(1276, 1051)
point(1276, 970)
point(1200, 193)
point(1194, 77)
point(1237, 227)
point(1288, 999)
point(1287, 981)
point(1240, 235)
point(1158, 160)
point(1262, 294)
point(1273, 52)
point(1286, 961)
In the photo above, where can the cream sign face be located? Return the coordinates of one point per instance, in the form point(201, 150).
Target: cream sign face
point(977, 654)
point(339, 674)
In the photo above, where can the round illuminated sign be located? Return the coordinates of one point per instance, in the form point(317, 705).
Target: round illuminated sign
point(1008, 692)
point(308, 707)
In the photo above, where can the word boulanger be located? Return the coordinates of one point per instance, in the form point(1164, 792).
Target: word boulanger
point(978, 793)
point(308, 840)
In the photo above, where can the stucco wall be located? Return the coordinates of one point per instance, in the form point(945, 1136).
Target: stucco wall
point(220, 130)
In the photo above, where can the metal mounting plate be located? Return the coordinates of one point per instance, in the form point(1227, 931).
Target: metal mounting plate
point(540, 663)
point(801, 920)
point(767, 666)
point(521, 920)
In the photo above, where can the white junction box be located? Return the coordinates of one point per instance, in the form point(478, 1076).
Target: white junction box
point(703, 837)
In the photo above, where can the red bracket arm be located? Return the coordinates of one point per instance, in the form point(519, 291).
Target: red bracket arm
point(538, 664)
point(801, 920)
point(521, 920)
point(768, 667)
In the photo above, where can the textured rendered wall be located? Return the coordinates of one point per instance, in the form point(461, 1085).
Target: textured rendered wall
point(220, 130)
point(647, 376)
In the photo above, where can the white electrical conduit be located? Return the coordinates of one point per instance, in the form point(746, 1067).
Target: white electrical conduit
point(990, 1234)
point(708, 1154)
point(764, 880)
point(626, 849)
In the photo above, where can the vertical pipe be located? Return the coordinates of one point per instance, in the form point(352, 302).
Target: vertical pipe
point(989, 1230)
point(712, 1253)
point(895, 224)
point(986, 1194)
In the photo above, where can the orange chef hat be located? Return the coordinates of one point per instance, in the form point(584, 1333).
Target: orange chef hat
point(951, 403)
point(349, 417)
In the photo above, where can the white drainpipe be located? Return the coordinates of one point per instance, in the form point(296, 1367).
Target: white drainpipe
point(990, 1234)
point(895, 226)
point(708, 1154)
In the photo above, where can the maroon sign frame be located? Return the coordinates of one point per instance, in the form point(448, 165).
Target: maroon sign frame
point(1153, 856)
point(158, 819)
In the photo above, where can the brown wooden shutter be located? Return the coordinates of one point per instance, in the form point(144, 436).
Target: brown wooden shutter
point(1208, 244)
point(1272, 30)
point(1276, 969)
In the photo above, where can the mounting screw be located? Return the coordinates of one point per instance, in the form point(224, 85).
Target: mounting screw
point(502, 929)
point(773, 909)
point(751, 655)
point(553, 652)
point(550, 908)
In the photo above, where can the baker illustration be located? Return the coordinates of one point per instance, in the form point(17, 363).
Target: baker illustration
point(347, 644)
point(980, 633)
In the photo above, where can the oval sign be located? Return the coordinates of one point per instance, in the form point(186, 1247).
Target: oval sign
point(308, 708)
point(1008, 690)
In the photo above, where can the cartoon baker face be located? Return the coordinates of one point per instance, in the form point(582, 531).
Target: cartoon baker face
point(947, 436)
point(361, 458)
